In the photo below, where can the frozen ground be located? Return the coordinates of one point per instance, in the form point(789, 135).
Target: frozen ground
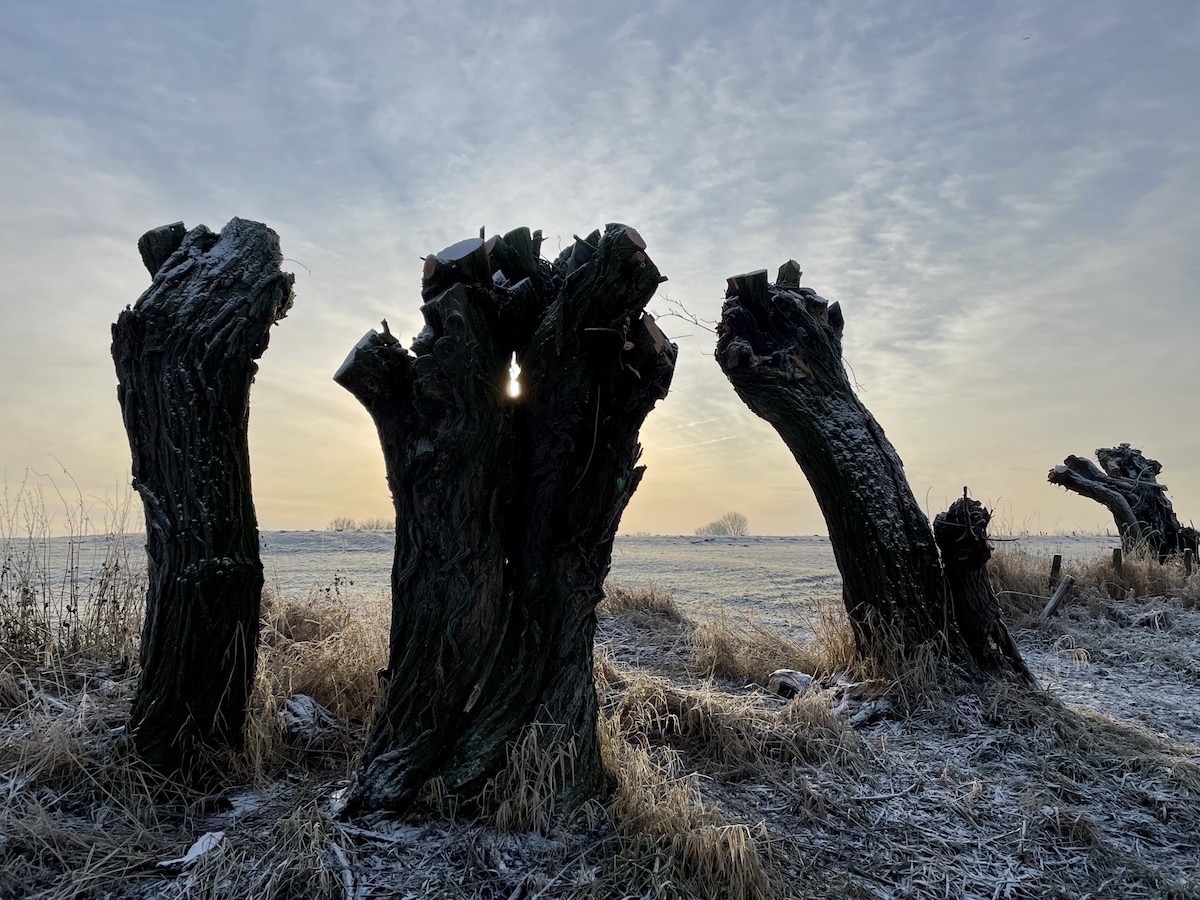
point(973, 794)
point(775, 579)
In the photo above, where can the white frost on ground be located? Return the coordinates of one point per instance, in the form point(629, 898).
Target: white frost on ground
point(206, 842)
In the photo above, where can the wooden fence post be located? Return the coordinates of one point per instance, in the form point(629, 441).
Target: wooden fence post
point(1055, 571)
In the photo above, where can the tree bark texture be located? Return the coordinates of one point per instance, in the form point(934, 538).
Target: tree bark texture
point(185, 358)
point(506, 508)
point(961, 535)
point(1127, 484)
point(780, 345)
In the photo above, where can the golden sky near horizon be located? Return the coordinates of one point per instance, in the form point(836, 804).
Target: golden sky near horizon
point(1003, 202)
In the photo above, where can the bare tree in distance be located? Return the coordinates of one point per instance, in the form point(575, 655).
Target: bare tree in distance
point(732, 524)
point(373, 523)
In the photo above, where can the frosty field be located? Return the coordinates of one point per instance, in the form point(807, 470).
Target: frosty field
point(767, 576)
point(1089, 788)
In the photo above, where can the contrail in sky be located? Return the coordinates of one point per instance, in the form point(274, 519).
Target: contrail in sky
point(730, 437)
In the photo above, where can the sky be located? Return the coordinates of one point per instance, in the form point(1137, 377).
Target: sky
point(1004, 198)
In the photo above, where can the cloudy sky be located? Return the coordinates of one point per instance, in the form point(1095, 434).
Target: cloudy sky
point(1005, 199)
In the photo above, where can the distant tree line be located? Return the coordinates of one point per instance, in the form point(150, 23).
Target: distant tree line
point(345, 523)
point(732, 524)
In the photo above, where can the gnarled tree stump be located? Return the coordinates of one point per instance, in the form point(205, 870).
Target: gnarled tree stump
point(780, 345)
point(184, 356)
point(506, 508)
point(1128, 486)
point(962, 538)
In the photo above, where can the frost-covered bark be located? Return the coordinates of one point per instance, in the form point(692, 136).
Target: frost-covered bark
point(506, 508)
point(184, 355)
point(1128, 486)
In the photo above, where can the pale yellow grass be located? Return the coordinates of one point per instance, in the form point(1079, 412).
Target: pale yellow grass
point(746, 650)
point(684, 841)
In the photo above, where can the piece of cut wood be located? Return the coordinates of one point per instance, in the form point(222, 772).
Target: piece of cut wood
point(1064, 588)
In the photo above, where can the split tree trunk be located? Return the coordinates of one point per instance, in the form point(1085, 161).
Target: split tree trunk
point(1128, 486)
point(506, 507)
point(961, 535)
point(184, 356)
point(781, 347)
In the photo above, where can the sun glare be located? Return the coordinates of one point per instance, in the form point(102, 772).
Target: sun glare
point(514, 378)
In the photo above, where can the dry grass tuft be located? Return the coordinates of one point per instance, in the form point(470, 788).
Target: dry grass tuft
point(540, 765)
point(737, 733)
point(329, 650)
point(294, 858)
point(70, 598)
point(326, 649)
point(1021, 579)
point(684, 842)
point(750, 652)
point(81, 817)
point(649, 602)
point(77, 814)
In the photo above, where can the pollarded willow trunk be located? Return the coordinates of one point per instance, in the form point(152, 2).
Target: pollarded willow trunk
point(962, 538)
point(781, 347)
point(506, 507)
point(1128, 486)
point(184, 355)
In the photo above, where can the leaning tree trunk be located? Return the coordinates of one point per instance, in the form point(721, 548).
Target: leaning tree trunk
point(1128, 486)
point(184, 355)
point(506, 508)
point(961, 535)
point(781, 347)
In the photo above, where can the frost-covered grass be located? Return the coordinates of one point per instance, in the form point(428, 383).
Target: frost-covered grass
point(741, 648)
point(718, 788)
point(71, 586)
point(1021, 579)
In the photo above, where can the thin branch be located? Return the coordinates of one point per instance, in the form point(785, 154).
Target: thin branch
point(679, 311)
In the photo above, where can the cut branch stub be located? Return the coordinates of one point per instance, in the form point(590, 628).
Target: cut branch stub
point(184, 356)
point(506, 509)
point(157, 244)
point(780, 346)
point(1128, 486)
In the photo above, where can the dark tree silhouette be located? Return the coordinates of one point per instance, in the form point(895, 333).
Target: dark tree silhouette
point(506, 508)
point(780, 345)
point(184, 355)
point(1128, 486)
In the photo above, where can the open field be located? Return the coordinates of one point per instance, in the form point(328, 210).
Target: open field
point(911, 786)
